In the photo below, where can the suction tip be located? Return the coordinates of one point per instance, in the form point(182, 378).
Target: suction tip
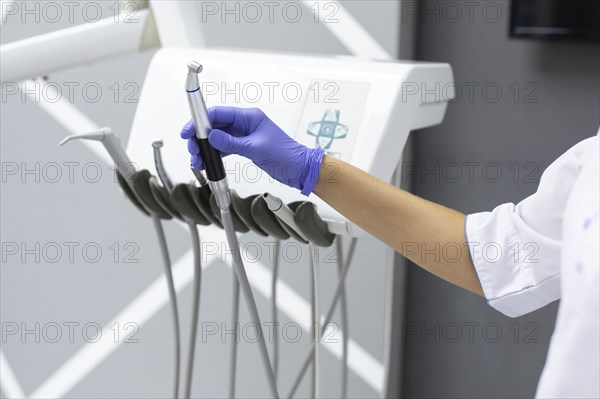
point(194, 67)
point(273, 203)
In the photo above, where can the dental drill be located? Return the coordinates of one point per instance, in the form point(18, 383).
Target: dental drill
point(168, 184)
point(113, 146)
point(157, 144)
point(213, 164)
point(217, 180)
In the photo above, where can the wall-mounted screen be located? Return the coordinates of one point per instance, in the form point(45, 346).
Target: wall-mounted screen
point(556, 19)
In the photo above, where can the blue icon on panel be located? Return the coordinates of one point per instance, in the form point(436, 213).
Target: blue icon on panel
point(327, 130)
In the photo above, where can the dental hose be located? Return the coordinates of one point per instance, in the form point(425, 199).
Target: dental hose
point(235, 317)
point(238, 265)
point(286, 215)
point(195, 307)
point(336, 297)
point(157, 144)
point(314, 290)
point(344, 320)
point(172, 296)
point(274, 278)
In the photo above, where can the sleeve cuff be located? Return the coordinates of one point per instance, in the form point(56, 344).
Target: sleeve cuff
point(509, 283)
point(314, 167)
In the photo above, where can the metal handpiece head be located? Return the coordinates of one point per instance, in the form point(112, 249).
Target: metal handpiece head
point(158, 143)
point(196, 101)
point(160, 167)
point(192, 83)
point(194, 67)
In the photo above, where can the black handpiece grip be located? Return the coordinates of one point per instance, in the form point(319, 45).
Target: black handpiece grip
point(213, 164)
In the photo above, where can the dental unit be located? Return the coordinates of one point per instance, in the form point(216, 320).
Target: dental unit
point(263, 208)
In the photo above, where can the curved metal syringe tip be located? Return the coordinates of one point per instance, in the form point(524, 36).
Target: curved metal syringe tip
point(98, 135)
point(111, 143)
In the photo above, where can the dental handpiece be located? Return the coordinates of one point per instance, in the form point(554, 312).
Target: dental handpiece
point(217, 181)
point(215, 170)
point(158, 164)
point(113, 146)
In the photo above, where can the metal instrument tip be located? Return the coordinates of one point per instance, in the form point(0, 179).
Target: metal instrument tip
point(194, 67)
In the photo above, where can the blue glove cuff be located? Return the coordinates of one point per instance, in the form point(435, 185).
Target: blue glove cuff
point(314, 166)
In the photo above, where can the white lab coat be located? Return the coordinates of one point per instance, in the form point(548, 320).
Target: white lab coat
point(545, 248)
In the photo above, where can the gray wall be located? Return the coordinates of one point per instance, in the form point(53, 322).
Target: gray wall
point(507, 132)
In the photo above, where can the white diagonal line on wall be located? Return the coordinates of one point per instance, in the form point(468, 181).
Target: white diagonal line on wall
point(347, 29)
point(155, 297)
point(297, 309)
point(66, 114)
point(139, 311)
point(8, 381)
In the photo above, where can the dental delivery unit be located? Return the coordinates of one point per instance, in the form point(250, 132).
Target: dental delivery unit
point(362, 115)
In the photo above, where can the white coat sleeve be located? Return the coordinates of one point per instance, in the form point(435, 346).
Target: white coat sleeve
point(516, 249)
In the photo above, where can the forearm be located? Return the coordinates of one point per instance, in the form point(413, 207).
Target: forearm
point(430, 235)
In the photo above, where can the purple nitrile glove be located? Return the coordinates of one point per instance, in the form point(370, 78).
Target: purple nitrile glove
point(251, 134)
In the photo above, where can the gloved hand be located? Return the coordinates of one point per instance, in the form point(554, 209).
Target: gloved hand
point(250, 133)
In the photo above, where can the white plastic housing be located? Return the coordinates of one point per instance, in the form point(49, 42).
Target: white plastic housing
point(379, 103)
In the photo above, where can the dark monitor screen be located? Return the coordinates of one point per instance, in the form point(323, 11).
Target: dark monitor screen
point(556, 19)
